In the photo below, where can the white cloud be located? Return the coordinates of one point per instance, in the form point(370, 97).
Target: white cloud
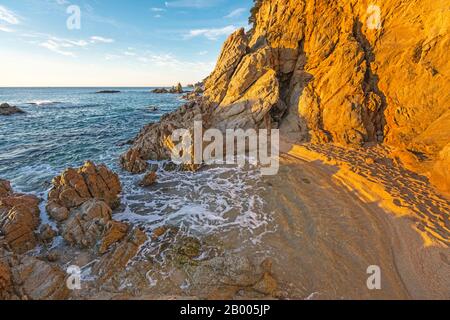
point(97, 39)
point(61, 45)
point(8, 16)
point(235, 13)
point(203, 53)
point(158, 16)
point(112, 57)
point(57, 47)
point(157, 9)
point(129, 53)
point(192, 3)
point(5, 29)
point(211, 34)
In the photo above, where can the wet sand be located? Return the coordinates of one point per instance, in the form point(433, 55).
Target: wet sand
point(331, 229)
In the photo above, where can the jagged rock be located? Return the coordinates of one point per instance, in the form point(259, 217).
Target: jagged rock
point(6, 285)
point(149, 179)
point(19, 219)
point(74, 187)
point(87, 224)
point(337, 76)
point(115, 232)
point(47, 234)
point(250, 109)
point(154, 141)
point(5, 188)
point(160, 90)
point(119, 255)
point(132, 162)
point(57, 212)
point(39, 280)
point(178, 89)
point(7, 110)
point(232, 52)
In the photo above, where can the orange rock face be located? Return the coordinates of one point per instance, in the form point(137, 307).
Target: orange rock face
point(74, 187)
point(120, 254)
point(19, 218)
point(440, 175)
point(350, 72)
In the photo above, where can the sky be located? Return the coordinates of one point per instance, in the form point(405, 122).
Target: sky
point(114, 42)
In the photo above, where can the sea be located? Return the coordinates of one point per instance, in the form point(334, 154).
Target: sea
point(64, 127)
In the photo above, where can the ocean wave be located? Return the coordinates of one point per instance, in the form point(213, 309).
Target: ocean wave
point(43, 103)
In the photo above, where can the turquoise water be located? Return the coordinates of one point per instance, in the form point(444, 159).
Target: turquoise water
point(63, 127)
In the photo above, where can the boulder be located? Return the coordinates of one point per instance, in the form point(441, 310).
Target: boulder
point(154, 142)
point(46, 234)
point(19, 219)
point(132, 162)
point(39, 280)
point(86, 224)
point(149, 179)
point(76, 186)
point(7, 110)
point(5, 188)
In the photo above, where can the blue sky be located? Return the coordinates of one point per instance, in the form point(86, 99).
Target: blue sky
point(119, 43)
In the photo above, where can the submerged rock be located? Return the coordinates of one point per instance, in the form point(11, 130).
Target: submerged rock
point(7, 110)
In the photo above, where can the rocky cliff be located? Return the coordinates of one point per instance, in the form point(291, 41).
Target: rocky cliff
point(350, 72)
point(335, 72)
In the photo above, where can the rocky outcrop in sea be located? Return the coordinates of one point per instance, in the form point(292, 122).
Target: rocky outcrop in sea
point(7, 110)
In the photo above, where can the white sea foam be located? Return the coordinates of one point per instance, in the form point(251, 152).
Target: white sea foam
point(209, 202)
point(43, 102)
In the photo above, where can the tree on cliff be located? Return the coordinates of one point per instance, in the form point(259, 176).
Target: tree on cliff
point(254, 12)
